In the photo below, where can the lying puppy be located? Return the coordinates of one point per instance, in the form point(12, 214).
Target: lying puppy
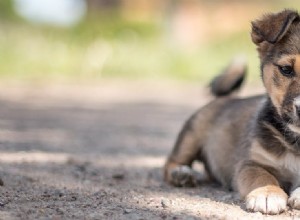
point(251, 145)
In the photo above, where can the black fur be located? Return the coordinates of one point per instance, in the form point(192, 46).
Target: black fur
point(269, 115)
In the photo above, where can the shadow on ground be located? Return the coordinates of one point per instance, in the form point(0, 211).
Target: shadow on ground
point(77, 162)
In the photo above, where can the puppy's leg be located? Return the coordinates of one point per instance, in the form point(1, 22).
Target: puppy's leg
point(178, 167)
point(260, 189)
point(294, 200)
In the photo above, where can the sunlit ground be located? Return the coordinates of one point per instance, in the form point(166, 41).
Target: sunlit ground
point(98, 152)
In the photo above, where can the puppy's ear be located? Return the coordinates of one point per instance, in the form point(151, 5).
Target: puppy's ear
point(272, 27)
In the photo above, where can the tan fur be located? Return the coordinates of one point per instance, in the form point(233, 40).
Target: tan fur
point(297, 64)
point(287, 165)
point(277, 94)
point(286, 60)
point(253, 177)
point(190, 140)
point(168, 167)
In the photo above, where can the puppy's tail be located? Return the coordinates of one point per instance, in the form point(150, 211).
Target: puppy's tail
point(231, 78)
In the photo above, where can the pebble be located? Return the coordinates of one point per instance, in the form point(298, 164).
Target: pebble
point(165, 203)
point(58, 192)
point(127, 211)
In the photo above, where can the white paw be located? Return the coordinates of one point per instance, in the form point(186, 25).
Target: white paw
point(268, 200)
point(294, 200)
point(183, 176)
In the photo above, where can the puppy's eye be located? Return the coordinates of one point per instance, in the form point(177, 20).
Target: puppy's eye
point(286, 71)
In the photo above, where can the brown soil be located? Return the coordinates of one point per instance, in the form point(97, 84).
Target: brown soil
point(96, 152)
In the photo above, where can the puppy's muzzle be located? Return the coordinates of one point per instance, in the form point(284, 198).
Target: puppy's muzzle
point(297, 106)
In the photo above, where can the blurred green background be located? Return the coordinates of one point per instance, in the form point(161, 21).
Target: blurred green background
point(185, 40)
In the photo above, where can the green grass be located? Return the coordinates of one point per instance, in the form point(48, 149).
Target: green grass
point(105, 46)
point(132, 52)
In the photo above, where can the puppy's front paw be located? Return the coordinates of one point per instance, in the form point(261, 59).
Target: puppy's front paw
point(183, 176)
point(294, 200)
point(268, 200)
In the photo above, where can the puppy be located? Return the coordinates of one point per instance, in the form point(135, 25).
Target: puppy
point(250, 145)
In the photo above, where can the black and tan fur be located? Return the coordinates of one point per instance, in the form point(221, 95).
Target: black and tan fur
point(250, 145)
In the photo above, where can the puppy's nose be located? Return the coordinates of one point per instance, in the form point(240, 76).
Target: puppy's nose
point(297, 106)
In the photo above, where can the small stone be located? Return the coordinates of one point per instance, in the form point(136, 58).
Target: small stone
point(127, 211)
point(58, 193)
point(59, 211)
point(165, 203)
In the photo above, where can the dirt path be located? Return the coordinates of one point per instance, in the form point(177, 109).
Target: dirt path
point(96, 152)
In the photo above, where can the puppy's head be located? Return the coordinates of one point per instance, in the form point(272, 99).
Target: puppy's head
point(278, 39)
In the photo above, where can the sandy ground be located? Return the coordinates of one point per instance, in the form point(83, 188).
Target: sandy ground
point(96, 152)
